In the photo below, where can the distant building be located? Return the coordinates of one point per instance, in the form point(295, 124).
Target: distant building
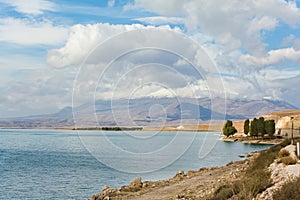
point(284, 126)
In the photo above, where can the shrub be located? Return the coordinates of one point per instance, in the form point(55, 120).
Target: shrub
point(256, 179)
point(289, 190)
point(250, 186)
point(288, 160)
point(283, 153)
point(222, 193)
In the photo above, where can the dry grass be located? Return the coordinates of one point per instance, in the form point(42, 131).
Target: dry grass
point(283, 153)
point(290, 191)
point(287, 160)
point(256, 179)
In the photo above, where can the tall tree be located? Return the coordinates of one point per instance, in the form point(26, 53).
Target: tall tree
point(253, 128)
point(246, 126)
point(270, 127)
point(261, 126)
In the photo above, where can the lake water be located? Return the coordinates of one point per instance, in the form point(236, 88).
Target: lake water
point(55, 164)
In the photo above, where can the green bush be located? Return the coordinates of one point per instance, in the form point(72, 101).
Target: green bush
point(223, 193)
point(290, 191)
point(250, 186)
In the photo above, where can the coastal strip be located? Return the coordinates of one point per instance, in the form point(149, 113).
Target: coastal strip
point(200, 184)
point(260, 176)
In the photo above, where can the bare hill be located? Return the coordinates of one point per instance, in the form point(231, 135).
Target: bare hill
point(150, 112)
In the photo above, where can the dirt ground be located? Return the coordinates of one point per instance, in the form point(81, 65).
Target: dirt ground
point(199, 184)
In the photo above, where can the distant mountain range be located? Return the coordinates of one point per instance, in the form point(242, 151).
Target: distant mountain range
point(149, 112)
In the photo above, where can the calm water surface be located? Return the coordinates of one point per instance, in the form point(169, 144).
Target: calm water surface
point(54, 164)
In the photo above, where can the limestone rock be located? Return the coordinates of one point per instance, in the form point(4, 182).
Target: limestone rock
point(134, 186)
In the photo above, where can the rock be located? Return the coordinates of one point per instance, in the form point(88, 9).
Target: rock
point(94, 197)
point(105, 187)
point(145, 184)
point(180, 173)
point(191, 173)
point(136, 183)
point(107, 192)
point(134, 186)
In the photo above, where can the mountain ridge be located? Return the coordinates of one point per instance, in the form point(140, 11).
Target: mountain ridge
point(150, 112)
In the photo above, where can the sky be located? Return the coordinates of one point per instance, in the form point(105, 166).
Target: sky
point(53, 49)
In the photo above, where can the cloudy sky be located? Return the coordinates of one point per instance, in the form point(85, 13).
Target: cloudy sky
point(46, 45)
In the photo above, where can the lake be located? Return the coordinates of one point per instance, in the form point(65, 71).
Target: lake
point(56, 164)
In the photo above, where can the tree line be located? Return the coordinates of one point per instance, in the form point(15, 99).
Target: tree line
point(256, 128)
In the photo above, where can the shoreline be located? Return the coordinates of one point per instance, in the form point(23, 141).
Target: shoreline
point(252, 140)
point(260, 176)
point(221, 181)
point(194, 184)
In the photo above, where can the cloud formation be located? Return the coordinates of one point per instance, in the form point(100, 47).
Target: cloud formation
point(273, 57)
point(233, 33)
point(231, 21)
point(84, 38)
point(32, 7)
point(30, 32)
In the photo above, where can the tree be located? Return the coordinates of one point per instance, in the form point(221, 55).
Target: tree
point(228, 129)
point(246, 126)
point(261, 127)
point(253, 128)
point(270, 127)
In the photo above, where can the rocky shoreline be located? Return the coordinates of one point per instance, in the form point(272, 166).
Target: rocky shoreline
point(200, 184)
point(206, 183)
point(252, 140)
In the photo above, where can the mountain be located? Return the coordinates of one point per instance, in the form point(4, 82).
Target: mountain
point(155, 112)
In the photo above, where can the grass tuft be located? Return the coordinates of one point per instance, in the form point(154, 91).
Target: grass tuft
point(289, 190)
point(287, 160)
point(283, 153)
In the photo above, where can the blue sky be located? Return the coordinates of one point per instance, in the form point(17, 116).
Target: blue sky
point(255, 46)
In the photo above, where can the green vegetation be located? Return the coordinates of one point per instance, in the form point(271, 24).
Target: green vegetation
point(229, 129)
point(290, 190)
point(253, 128)
point(256, 179)
point(270, 128)
point(260, 127)
point(246, 126)
point(110, 128)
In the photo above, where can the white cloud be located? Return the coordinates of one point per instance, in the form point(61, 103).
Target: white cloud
point(276, 74)
point(233, 23)
point(287, 11)
point(142, 61)
point(273, 57)
point(166, 7)
point(159, 20)
point(33, 7)
point(35, 91)
point(84, 38)
point(28, 32)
